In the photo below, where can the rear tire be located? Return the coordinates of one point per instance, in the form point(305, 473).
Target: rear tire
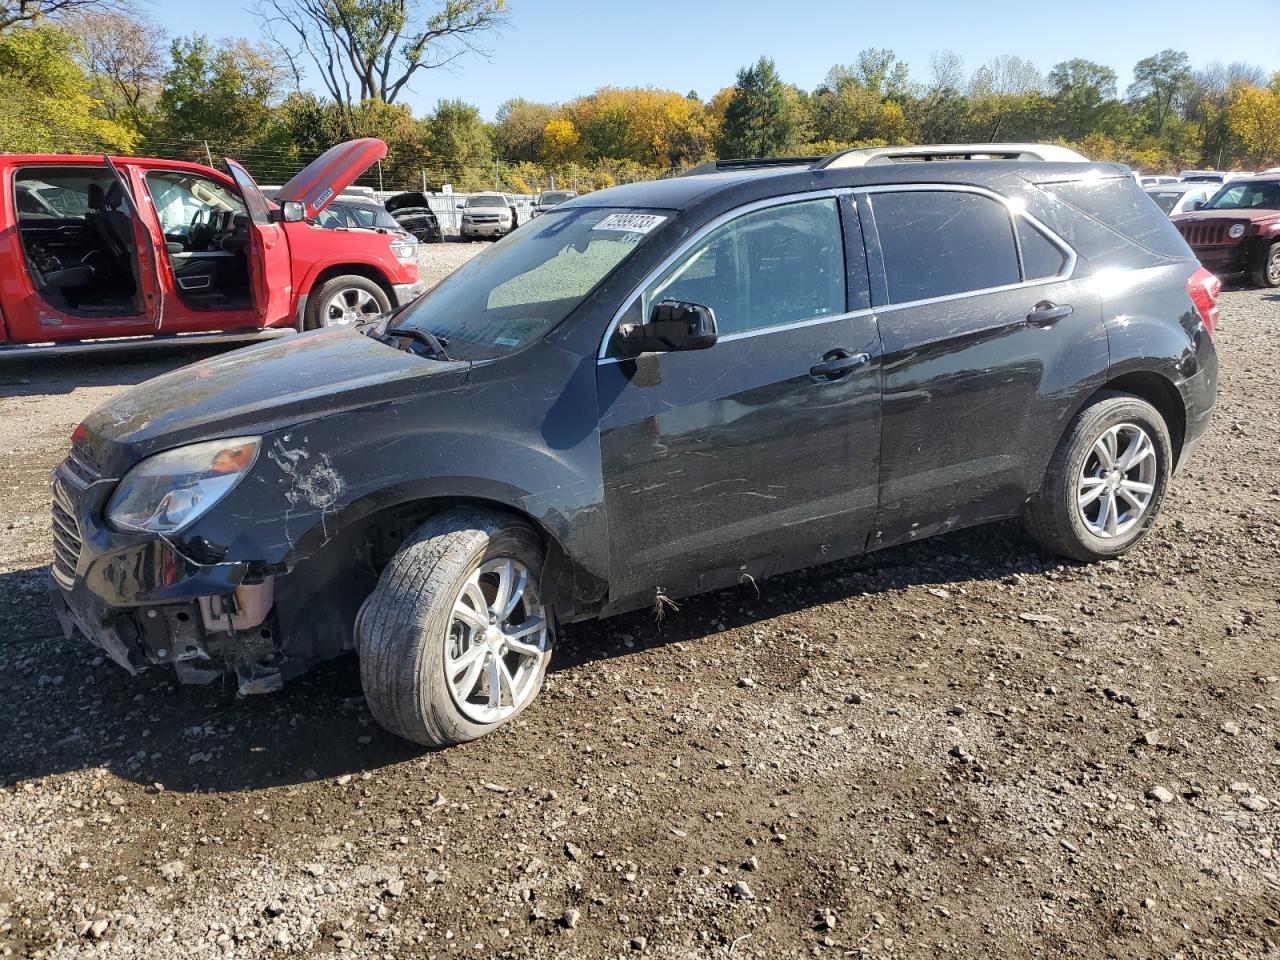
point(1267, 272)
point(1106, 481)
point(342, 301)
point(431, 638)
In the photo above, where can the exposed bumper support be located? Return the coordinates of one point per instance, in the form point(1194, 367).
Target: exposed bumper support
point(404, 292)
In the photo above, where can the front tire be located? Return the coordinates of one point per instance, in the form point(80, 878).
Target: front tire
point(454, 641)
point(1106, 481)
point(342, 301)
point(1267, 272)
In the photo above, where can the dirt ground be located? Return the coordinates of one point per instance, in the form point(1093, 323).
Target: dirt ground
point(959, 749)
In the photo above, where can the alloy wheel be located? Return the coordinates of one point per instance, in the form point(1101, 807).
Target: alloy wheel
point(496, 642)
point(1273, 266)
point(350, 305)
point(1117, 481)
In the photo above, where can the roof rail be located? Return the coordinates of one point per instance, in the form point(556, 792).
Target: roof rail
point(866, 156)
point(750, 163)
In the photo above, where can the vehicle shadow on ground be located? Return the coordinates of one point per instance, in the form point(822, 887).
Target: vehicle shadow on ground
point(50, 374)
point(65, 707)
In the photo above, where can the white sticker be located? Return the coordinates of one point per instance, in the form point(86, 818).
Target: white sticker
point(630, 222)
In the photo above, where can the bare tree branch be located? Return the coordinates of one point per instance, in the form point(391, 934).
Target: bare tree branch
point(27, 11)
point(372, 49)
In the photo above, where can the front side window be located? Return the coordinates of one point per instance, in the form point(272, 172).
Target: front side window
point(520, 288)
point(191, 208)
point(939, 243)
point(774, 266)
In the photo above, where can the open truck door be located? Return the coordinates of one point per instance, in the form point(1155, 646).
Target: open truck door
point(270, 265)
point(146, 242)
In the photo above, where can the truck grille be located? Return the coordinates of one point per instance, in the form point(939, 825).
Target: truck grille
point(66, 536)
point(1203, 234)
point(485, 218)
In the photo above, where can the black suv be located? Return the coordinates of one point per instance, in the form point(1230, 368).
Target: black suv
point(651, 391)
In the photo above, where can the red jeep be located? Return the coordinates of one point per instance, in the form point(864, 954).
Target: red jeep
point(1238, 230)
point(94, 249)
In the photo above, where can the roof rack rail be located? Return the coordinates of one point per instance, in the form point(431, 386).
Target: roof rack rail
point(750, 163)
point(866, 156)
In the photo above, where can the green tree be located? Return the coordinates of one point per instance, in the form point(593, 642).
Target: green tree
point(459, 145)
point(225, 94)
point(758, 121)
point(517, 135)
point(1159, 84)
point(45, 106)
point(1084, 98)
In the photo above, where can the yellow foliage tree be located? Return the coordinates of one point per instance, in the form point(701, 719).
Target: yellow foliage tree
point(1254, 116)
point(559, 140)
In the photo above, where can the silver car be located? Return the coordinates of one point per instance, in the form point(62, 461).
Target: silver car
point(1175, 198)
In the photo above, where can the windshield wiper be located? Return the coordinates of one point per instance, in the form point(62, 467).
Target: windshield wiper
point(425, 337)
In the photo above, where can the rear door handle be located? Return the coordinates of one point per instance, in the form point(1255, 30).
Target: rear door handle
point(1046, 314)
point(837, 364)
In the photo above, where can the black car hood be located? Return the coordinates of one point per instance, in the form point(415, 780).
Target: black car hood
point(259, 389)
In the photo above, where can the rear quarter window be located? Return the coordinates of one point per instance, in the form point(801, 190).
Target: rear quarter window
point(1121, 207)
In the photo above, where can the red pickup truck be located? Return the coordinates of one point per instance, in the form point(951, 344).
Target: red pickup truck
point(96, 252)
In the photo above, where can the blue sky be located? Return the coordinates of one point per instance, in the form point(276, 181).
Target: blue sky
point(554, 50)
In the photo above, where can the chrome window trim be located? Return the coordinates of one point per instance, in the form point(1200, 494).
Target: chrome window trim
point(1012, 208)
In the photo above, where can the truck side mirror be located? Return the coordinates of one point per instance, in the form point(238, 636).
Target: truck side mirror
point(673, 325)
point(1197, 205)
point(289, 211)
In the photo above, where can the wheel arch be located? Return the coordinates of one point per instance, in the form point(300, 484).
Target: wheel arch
point(1161, 393)
point(366, 270)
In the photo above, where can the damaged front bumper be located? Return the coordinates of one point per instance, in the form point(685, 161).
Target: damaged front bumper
point(144, 603)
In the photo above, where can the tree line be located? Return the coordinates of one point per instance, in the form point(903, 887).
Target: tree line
point(97, 76)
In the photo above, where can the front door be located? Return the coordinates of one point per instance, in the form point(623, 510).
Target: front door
point(987, 335)
point(270, 266)
point(759, 454)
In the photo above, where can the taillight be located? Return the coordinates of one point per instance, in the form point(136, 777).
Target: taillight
point(1204, 288)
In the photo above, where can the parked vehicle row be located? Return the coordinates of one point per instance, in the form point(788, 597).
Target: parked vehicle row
point(656, 390)
point(96, 249)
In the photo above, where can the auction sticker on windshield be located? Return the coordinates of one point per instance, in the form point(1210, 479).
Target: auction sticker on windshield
point(630, 222)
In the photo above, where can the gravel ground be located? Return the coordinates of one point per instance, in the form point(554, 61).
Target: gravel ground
point(437, 260)
point(962, 748)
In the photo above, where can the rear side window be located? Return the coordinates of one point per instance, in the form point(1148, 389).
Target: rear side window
point(938, 243)
point(1122, 207)
point(1041, 258)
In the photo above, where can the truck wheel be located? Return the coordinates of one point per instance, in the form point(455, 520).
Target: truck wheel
point(342, 301)
point(1105, 482)
point(454, 641)
point(1267, 272)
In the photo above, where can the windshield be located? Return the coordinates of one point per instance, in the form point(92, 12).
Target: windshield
point(551, 199)
point(1261, 195)
point(522, 286)
point(487, 200)
point(1166, 201)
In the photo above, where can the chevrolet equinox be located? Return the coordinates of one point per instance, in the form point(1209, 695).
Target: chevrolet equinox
point(648, 392)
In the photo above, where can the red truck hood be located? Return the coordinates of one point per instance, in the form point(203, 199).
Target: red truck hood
point(1227, 216)
point(331, 173)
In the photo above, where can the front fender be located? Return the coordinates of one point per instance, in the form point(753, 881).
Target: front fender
point(518, 435)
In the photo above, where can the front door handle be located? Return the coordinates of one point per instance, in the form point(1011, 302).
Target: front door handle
point(1046, 314)
point(837, 364)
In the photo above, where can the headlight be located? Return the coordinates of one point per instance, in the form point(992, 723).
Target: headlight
point(405, 249)
point(167, 491)
point(1236, 231)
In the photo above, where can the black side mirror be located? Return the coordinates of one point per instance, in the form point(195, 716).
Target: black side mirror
point(289, 211)
point(673, 325)
point(1197, 205)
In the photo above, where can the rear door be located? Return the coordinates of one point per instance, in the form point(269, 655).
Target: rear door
point(147, 240)
point(270, 268)
point(988, 337)
point(761, 453)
